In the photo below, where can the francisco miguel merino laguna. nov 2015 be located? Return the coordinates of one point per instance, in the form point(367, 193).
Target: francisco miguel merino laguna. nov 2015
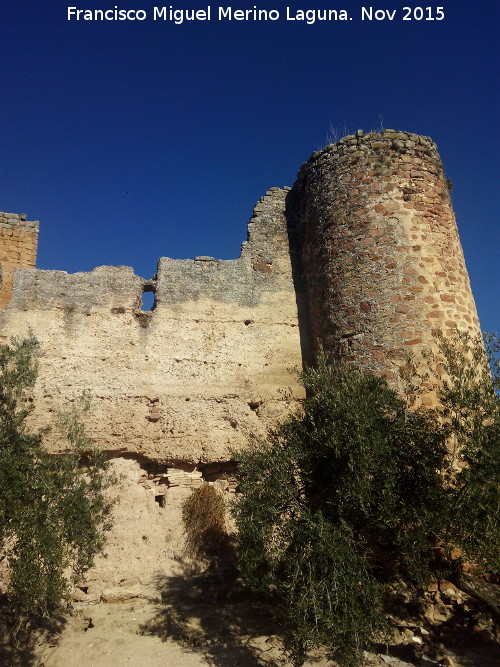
point(209, 13)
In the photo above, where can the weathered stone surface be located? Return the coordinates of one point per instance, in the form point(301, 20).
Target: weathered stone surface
point(123, 594)
point(176, 383)
point(381, 255)
point(18, 245)
point(368, 226)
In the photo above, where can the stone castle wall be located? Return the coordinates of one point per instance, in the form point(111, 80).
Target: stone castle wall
point(362, 256)
point(380, 248)
point(191, 378)
point(18, 245)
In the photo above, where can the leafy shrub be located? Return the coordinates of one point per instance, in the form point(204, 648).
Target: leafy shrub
point(53, 513)
point(358, 490)
point(470, 418)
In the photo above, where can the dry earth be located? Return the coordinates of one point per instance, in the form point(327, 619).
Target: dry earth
point(144, 605)
point(143, 634)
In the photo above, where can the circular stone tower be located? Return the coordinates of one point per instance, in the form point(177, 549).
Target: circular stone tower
point(381, 256)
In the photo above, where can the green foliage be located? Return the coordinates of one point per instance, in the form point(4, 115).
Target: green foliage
point(53, 512)
point(203, 518)
point(471, 416)
point(357, 490)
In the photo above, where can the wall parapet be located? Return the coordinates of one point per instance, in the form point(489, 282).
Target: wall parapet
point(7, 219)
point(187, 380)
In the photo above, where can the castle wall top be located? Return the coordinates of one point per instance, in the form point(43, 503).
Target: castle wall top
point(187, 380)
point(402, 141)
point(19, 220)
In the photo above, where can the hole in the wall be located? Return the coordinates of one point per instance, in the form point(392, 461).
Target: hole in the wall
point(255, 403)
point(144, 313)
point(148, 300)
point(160, 500)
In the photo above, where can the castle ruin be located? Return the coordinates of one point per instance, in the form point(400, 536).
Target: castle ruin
point(360, 256)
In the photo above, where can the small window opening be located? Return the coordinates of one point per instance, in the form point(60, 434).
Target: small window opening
point(148, 300)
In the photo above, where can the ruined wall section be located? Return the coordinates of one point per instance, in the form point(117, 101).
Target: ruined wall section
point(192, 377)
point(374, 239)
point(380, 249)
point(18, 246)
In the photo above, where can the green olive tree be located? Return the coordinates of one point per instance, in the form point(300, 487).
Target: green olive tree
point(357, 489)
point(53, 510)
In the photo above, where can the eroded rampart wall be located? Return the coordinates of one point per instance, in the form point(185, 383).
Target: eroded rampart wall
point(193, 377)
point(368, 228)
point(361, 256)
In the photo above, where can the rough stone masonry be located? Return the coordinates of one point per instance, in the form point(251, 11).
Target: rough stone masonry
point(361, 255)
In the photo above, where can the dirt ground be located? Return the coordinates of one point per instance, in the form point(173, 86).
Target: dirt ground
point(195, 618)
point(143, 605)
point(191, 620)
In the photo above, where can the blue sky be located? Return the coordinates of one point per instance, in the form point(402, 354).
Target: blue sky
point(135, 140)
